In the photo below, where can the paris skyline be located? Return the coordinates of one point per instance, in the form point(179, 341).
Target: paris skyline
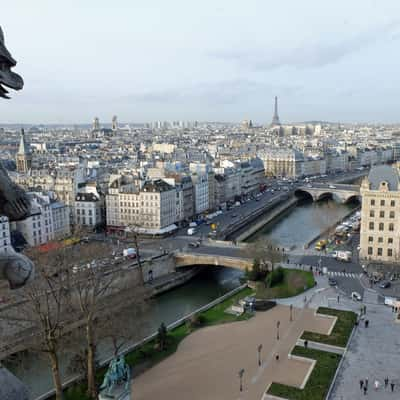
point(222, 62)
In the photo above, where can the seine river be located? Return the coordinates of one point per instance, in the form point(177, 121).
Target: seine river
point(295, 228)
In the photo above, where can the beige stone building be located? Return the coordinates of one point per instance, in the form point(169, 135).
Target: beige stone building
point(380, 222)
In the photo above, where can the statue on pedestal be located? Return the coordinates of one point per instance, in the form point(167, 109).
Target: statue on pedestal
point(116, 380)
point(14, 203)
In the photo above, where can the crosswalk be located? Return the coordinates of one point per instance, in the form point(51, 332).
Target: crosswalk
point(344, 274)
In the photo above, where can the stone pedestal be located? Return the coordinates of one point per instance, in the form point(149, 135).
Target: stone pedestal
point(118, 393)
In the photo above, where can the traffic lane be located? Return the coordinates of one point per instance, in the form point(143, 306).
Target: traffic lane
point(220, 251)
point(330, 263)
point(349, 285)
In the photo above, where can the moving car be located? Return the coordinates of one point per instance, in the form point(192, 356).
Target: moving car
point(332, 282)
point(194, 244)
point(356, 296)
point(384, 284)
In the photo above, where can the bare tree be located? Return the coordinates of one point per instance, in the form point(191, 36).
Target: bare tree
point(265, 251)
point(42, 314)
point(101, 294)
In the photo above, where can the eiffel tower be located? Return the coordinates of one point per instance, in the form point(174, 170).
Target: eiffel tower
point(275, 118)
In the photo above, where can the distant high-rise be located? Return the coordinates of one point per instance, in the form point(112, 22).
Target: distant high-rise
point(275, 118)
point(114, 123)
point(24, 155)
point(96, 124)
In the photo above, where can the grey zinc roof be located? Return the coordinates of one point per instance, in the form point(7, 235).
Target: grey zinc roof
point(383, 173)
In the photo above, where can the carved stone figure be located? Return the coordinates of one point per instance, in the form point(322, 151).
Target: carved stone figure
point(14, 203)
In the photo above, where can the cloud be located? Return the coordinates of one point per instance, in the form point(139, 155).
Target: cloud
point(311, 54)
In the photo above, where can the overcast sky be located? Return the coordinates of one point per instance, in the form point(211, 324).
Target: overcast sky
point(202, 60)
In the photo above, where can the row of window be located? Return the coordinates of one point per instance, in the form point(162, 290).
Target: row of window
point(83, 220)
point(392, 202)
point(381, 226)
point(380, 240)
point(83, 212)
point(379, 252)
point(381, 214)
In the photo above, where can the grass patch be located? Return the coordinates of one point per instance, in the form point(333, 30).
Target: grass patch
point(149, 355)
point(319, 381)
point(294, 282)
point(341, 331)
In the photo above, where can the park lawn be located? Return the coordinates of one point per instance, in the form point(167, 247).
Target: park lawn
point(341, 331)
point(319, 381)
point(294, 283)
point(149, 355)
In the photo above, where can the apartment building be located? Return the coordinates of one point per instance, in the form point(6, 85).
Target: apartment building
point(5, 239)
point(380, 212)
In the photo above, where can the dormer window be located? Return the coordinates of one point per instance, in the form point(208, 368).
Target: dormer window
point(384, 186)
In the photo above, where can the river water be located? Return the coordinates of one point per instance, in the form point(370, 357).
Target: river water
point(295, 227)
point(301, 224)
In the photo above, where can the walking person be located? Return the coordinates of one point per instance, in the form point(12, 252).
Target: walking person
point(365, 390)
point(361, 384)
point(366, 383)
point(386, 382)
point(392, 386)
point(376, 384)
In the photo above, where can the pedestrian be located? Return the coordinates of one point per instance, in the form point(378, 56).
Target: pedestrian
point(366, 382)
point(376, 384)
point(386, 382)
point(305, 344)
point(277, 357)
point(361, 384)
point(365, 390)
point(392, 308)
point(392, 386)
point(366, 323)
point(338, 298)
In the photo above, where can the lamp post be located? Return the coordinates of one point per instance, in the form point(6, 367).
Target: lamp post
point(291, 312)
point(259, 348)
point(241, 373)
point(277, 329)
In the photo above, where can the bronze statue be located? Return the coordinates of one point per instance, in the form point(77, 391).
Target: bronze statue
point(14, 203)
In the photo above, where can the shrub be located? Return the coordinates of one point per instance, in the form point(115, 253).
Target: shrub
point(275, 277)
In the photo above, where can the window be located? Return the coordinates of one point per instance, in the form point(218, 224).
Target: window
point(372, 202)
point(391, 214)
point(382, 214)
point(370, 251)
point(390, 240)
point(371, 226)
point(391, 227)
point(390, 252)
point(370, 239)
point(381, 226)
point(380, 239)
point(382, 202)
point(379, 253)
point(392, 203)
point(372, 213)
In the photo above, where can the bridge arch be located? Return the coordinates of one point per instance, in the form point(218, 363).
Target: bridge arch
point(325, 196)
point(192, 259)
point(303, 194)
point(354, 198)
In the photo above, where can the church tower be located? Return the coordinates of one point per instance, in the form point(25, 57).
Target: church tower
point(24, 155)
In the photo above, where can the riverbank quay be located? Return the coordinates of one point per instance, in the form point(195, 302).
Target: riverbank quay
point(264, 220)
point(143, 354)
point(329, 230)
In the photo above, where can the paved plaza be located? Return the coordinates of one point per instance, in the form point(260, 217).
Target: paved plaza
point(374, 353)
point(207, 362)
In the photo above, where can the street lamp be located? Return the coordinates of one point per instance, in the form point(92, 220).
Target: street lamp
point(277, 329)
point(291, 312)
point(241, 373)
point(259, 348)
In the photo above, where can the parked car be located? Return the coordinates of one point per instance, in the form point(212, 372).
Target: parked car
point(356, 296)
point(194, 244)
point(384, 284)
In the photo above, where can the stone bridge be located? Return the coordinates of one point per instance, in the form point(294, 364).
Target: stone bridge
point(338, 192)
point(230, 261)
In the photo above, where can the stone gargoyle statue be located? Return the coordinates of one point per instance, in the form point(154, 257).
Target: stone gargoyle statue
point(16, 268)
